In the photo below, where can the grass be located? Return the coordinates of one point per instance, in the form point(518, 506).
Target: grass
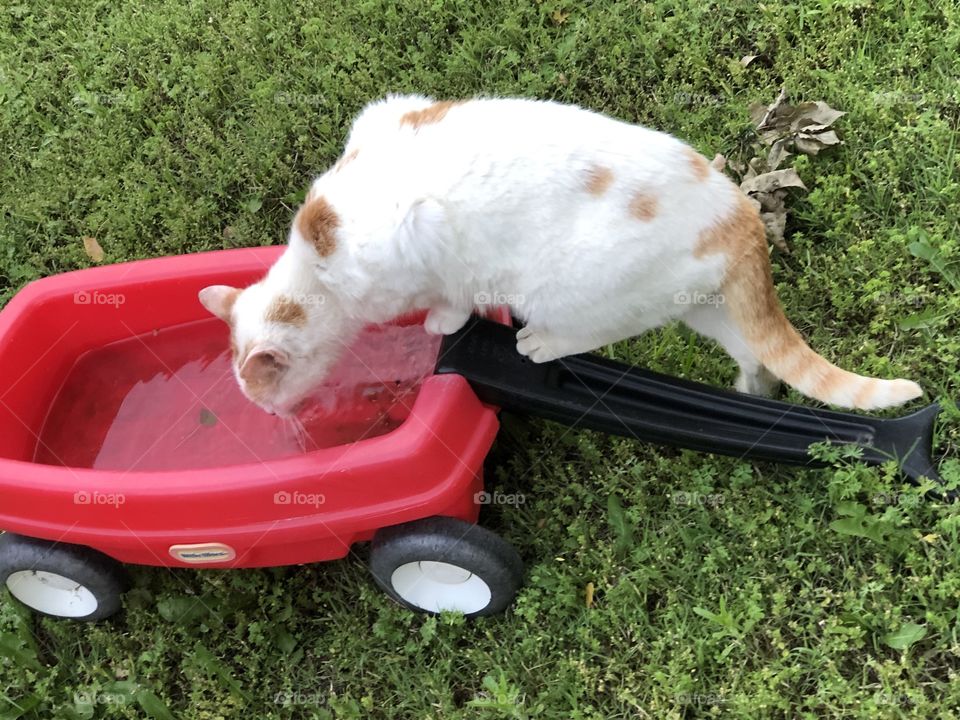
point(722, 588)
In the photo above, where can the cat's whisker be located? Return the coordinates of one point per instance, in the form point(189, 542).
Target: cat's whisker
point(303, 437)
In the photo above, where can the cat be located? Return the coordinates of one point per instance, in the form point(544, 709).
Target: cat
point(591, 229)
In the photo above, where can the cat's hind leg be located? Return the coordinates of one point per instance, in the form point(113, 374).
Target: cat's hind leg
point(713, 321)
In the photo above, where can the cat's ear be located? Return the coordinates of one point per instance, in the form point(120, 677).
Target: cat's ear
point(219, 300)
point(263, 366)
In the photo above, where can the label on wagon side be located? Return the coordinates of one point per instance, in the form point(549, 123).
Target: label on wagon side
point(200, 553)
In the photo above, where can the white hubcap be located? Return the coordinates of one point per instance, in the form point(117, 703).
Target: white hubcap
point(436, 586)
point(50, 593)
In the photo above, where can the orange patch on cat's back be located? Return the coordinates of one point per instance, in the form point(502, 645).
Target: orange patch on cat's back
point(598, 180)
point(286, 311)
point(428, 115)
point(735, 235)
point(317, 221)
point(643, 206)
point(698, 164)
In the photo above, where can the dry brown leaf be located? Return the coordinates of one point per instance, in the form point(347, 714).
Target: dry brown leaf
point(589, 594)
point(764, 116)
point(778, 153)
point(737, 166)
point(771, 201)
point(787, 129)
point(805, 127)
point(773, 212)
point(812, 127)
point(768, 193)
point(775, 223)
point(92, 248)
point(816, 113)
point(813, 144)
point(773, 180)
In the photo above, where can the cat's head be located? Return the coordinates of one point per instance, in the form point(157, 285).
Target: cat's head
point(282, 343)
point(288, 330)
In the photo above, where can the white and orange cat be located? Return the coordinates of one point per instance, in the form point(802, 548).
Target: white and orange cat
point(591, 229)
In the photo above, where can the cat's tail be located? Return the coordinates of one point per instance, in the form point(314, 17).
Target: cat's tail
point(753, 305)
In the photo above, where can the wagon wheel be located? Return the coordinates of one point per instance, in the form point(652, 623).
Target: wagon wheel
point(59, 579)
point(442, 563)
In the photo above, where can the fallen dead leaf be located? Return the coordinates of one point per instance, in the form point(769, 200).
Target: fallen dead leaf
point(768, 192)
point(589, 594)
point(816, 113)
point(762, 115)
point(92, 248)
point(775, 224)
point(747, 59)
point(773, 180)
point(782, 130)
point(813, 144)
point(805, 127)
point(778, 153)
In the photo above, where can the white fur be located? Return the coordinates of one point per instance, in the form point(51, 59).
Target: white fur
point(491, 204)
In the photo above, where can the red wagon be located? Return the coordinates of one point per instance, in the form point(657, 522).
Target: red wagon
point(73, 512)
point(68, 527)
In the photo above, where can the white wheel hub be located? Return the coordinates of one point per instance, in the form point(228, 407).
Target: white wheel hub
point(435, 586)
point(50, 593)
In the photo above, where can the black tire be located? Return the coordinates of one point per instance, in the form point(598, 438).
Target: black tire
point(467, 547)
point(102, 576)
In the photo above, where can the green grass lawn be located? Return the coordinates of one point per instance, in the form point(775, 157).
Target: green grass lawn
point(722, 588)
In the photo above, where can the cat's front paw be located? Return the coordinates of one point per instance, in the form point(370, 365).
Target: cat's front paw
point(538, 345)
point(444, 321)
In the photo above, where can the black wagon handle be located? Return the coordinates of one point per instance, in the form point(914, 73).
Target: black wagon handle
point(601, 394)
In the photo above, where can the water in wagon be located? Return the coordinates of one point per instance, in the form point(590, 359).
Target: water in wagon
point(169, 401)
